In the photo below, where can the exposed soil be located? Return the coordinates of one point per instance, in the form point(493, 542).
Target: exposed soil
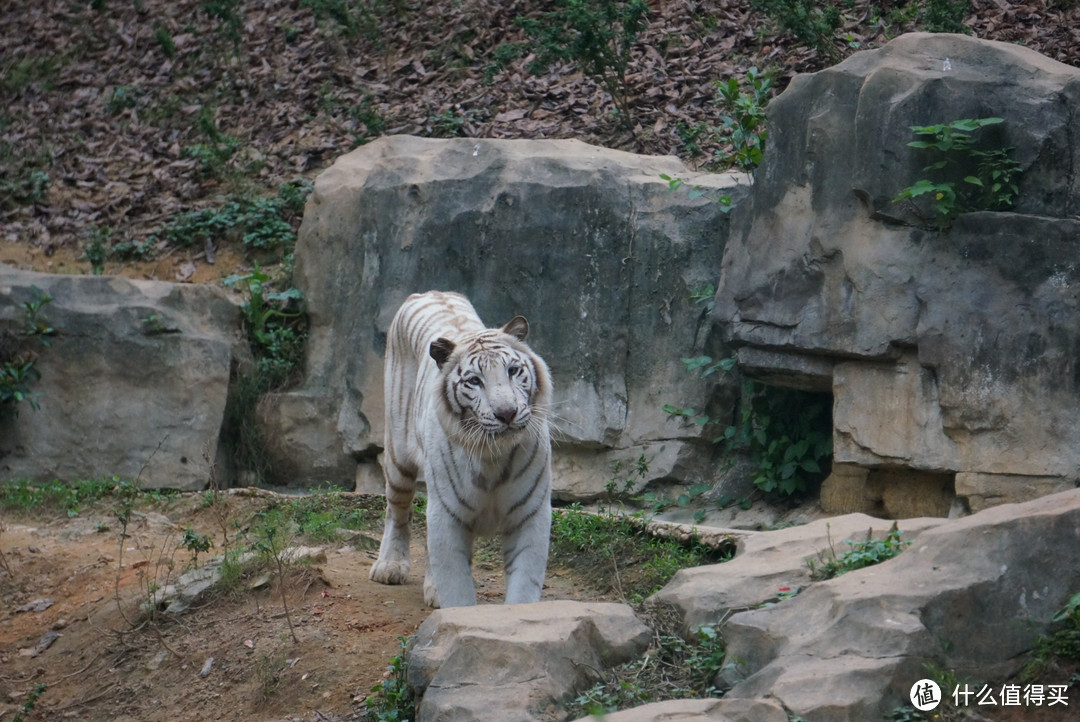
point(104, 667)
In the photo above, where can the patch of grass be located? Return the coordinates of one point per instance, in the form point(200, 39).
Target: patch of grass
point(321, 516)
point(1061, 646)
point(20, 74)
point(672, 668)
point(616, 553)
point(268, 669)
point(859, 554)
point(23, 495)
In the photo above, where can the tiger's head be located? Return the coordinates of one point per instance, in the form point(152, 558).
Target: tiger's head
point(494, 386)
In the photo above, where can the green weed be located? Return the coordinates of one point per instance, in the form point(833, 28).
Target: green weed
point(391, 700)
point(19, 350)
point(165, 40)
point(40, 71)
point(859, 555)
point(22, 495)
point(30, 702)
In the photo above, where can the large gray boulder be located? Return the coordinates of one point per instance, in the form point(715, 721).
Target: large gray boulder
point(588, 243)
point(970, 595)
point(512, 662)
point(953, 356)
point(133, 383)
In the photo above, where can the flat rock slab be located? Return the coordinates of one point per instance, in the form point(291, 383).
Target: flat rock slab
point(766, 562)
point(508, 663)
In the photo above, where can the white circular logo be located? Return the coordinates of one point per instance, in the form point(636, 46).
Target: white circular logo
point(925, 695)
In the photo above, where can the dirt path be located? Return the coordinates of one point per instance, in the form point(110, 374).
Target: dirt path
point(100, 667)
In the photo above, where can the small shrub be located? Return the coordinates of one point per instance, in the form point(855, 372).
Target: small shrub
point(597, 35)
point(268, 669)
point(813, 24)
point(453, 122)
point(965, 177)
point(744, 123)
point(944, 16)
point(196, 543)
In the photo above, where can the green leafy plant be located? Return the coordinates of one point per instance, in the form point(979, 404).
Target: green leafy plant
point(165, 40)
point(229, 16)
point(391, 700)
point(19, 354)
point(271, 541)
point(274, 322)
point(121, 98)
point(965, 177)
point(454, 121)
point(97, 250)
point(196, 543)
point(1063, 644)
point(30, 702)
point(213, 156)
point(813, 24)
point(944, 16)
point(787, 433)
point(744, 122)
point(597, 35)
point(860, 554)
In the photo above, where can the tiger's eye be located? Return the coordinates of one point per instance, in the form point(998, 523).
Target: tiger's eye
point(474, 381)
point(513, 371)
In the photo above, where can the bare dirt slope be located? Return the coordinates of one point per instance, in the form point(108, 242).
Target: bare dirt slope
point(103, 665)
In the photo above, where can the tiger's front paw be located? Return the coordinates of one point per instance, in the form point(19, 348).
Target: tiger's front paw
point(431, 593)
point(387, 571)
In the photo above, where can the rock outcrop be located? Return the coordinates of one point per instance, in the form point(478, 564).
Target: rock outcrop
point(133, 383)
point(767, 562)
point(588, 243)
point(969, 595)
point(954, 356)
point(512, 662)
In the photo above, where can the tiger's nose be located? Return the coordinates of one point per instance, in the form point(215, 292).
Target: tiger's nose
point(506, 415)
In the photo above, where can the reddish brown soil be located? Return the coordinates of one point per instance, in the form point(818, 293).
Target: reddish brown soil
point(104, 667)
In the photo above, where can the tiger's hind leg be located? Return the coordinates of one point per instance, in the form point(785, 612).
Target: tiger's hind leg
point(392, 566)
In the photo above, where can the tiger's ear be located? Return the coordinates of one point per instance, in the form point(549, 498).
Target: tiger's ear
point(518, 327)
point(440, 350)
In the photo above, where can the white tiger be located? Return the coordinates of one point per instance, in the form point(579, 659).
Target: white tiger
point(466, 406)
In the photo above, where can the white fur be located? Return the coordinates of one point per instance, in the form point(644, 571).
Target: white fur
point(465, 406)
